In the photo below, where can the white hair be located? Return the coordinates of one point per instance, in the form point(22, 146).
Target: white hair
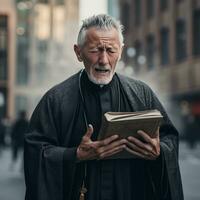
point(101, 21)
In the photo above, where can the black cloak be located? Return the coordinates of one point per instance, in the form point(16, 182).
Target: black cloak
point(56, 128)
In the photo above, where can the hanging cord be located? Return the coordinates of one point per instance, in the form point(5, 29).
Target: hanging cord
point(83, 187)
point(82, 99)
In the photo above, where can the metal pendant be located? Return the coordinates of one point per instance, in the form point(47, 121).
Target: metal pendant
point(83, 191)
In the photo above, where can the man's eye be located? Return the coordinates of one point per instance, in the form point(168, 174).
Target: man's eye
point(111, 51)
point(94, 50)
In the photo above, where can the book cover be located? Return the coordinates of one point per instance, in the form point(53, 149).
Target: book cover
point(127, 124)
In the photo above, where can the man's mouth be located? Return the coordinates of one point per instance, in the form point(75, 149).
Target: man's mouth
point(102, 70)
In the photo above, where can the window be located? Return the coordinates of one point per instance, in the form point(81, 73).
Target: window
point(196, 32)
point(164, 5)
point(180, 40)
point(3, 47)
point(164, 51)
point(125, 16)
point(137, 12)
point(41, 64)
point(150, 51)
point(22, 60)
point(150, 6)
point(23, 47)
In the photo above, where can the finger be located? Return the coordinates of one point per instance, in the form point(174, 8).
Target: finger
point(154, 142)
point(112, 151)
point(134, 147)
point(140, 155)
point(144, 136)
point(112, 145)
point(89, 132)
point(108, 140)
point(140, 144)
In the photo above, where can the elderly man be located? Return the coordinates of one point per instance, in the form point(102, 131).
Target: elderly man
point(64, 160)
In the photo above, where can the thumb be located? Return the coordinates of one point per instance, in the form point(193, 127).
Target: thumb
point(89, 131)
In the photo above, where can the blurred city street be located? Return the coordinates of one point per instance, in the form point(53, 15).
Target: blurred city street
point(161, 48)
point(190, 165)
point(12, 182)
point(11, 178)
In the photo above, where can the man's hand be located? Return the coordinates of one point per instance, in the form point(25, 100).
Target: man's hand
point(148, 149)
point(90, 150)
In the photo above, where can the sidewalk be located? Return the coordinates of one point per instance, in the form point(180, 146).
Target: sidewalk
point(190, 165)
point(11, 180)
point(187, 153)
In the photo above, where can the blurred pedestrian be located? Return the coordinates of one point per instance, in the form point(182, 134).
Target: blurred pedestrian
point(2, 134)
point(191, 131)
point(18, 130)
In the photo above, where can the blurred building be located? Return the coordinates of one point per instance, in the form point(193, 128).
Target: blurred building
point(7, 56)
point(162, 40)
point(36, 50)
point(113, 8)
point(45, 37)
point(91, 7)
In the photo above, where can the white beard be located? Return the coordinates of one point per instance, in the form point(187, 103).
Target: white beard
point(98, 81)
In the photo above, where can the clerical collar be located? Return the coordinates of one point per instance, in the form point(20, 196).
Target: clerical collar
point(93, 85)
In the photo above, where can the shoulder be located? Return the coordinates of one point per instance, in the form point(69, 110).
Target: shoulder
point(133, 84)
point(61, 94)
point(137, 88)
point(66, 86)
point(63, 89)
point(58, 99)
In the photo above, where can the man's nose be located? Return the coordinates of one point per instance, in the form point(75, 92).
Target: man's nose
point(103, 58)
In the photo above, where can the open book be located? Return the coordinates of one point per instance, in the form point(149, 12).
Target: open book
point(127, 124)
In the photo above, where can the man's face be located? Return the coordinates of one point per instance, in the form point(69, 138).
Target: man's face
point(100, 54)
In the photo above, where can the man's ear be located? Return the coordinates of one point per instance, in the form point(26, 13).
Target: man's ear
point(77, 51)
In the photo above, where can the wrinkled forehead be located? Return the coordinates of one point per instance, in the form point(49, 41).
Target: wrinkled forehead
point(98, 36)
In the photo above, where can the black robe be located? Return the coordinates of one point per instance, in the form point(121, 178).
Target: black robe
point(56, 128)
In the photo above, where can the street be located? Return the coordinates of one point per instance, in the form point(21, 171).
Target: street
point(12, 182)
point(11, 178)
point(190, 165)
